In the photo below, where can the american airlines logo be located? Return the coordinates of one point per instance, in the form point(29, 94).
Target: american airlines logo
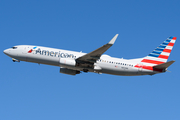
point(30, 51)
point(51, 53)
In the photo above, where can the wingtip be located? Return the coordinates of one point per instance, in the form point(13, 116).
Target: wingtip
point(113, 39)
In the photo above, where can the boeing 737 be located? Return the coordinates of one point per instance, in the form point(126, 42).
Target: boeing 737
point(73, 63)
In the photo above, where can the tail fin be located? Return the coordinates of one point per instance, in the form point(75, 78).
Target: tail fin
point(160, 54)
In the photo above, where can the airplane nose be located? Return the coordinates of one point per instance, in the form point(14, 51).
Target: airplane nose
point(5, 51)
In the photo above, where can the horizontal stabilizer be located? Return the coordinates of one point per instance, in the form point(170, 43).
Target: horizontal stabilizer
point(164, 65)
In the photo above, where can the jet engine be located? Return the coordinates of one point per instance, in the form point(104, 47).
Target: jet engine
point(69, 71)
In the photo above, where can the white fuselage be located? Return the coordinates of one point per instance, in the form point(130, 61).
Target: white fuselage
point(67, 59)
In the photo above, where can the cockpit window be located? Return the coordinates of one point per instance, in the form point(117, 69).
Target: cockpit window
point(14, 47)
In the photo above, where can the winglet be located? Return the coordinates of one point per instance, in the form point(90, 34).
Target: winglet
point(113, 39)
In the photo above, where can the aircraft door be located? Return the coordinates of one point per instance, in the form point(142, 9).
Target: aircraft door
point(24, 51)
point(140, 67)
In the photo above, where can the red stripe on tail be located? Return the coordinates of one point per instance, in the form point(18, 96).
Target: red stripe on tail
point(163, 56)
point(171, 44)
point(174, 38)
point(167, 50)
point(152, 61)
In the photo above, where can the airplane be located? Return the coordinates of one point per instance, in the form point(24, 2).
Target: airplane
point(72, 63)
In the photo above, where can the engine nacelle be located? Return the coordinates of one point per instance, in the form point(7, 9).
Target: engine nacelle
point(15, 60)
point(69, 71)
point(67, 62)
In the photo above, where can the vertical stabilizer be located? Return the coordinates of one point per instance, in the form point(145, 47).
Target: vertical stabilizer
point(160, 54)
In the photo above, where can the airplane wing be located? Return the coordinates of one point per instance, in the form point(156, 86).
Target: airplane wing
point(90, 58)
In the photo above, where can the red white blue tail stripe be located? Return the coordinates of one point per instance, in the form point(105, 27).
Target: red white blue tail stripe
point(157, 56)
point(160, 54)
